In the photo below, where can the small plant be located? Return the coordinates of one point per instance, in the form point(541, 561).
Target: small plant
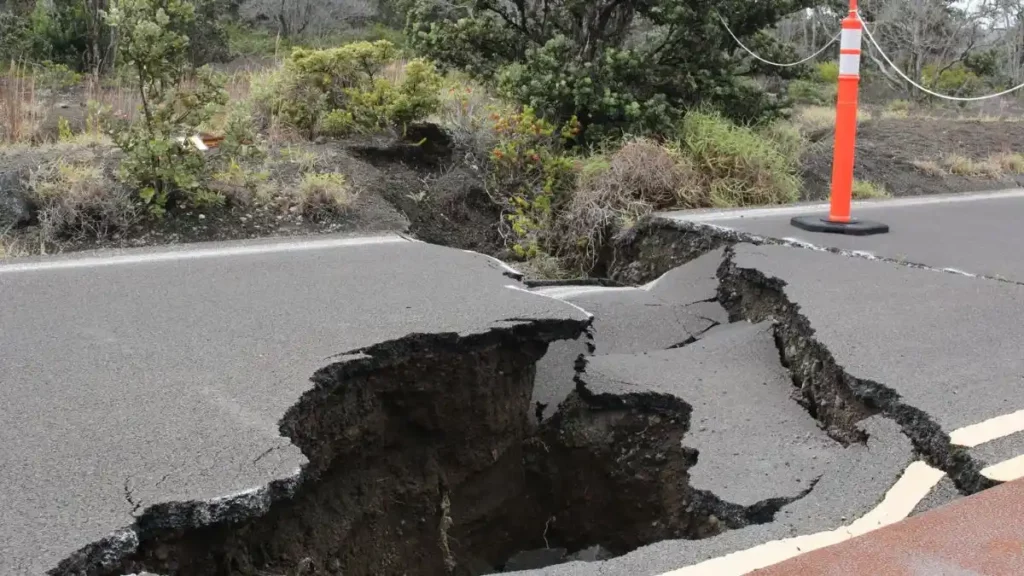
point(64, 129)
point(529, 175)
point(156, 161)
point(864, 190)
point(323, 195)
point(78, 200)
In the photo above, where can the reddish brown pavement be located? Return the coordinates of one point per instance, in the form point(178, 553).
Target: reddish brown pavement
point(979, 535)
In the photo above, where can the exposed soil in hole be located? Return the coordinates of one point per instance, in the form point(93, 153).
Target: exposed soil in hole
point(423, 460)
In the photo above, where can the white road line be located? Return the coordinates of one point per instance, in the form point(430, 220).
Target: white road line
point(521, 289)
point(991, 429)
point(792, 210)
point(917, 481)
point(199, 253)
point(1005, 471)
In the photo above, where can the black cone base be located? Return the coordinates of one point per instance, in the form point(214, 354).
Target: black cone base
point(851, 228)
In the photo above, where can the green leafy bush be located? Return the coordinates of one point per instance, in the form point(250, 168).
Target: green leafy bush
point(740, 166)
point(346, 89)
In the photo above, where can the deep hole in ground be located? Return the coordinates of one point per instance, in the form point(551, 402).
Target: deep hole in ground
point(423, 459)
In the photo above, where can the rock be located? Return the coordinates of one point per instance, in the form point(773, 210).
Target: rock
point(593, 554)
point(534, 559)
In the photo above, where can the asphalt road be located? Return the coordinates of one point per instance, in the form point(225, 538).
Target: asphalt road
point(948, 344)
point(754, 442)
point(977, 233)
point(160, 376)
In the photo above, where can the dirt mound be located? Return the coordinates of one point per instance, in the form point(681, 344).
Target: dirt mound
point(888, 148)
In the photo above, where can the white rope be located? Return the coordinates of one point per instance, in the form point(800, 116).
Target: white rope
point(900, 73)
point(769, 62)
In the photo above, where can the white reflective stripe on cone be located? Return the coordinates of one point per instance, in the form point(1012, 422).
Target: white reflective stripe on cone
point(850, 39)
point(849, 64)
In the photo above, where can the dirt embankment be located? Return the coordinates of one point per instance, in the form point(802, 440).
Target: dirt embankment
point(892, 151)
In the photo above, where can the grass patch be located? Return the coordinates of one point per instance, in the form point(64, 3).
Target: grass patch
point(322, 195)
point(864, 190)
point(961, 165)
point(77, 200)
point(740, 166)
point(929, 167)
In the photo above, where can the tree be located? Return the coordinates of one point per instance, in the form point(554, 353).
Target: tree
point(619, 65)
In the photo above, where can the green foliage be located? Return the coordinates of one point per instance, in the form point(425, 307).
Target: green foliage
point(15, 37)
point(249, 41)
point(957, 79)
point(346, 89)
point(56, 76)
point(741, 166)
point(826, 72)
point(156, 161)
point(530, 175)
point(810, 93)
point(591, 59)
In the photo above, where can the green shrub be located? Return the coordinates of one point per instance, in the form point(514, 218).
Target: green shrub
point(15, 38)
point(826, 72)
point(344, 90)
point(56, 76)
point(809, 93)
point(741, 167)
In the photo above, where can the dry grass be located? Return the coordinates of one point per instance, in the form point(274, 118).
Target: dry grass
point(811, 119)
point(1009, 162)
point(20, 109)
point(76, 199)
point(616, 190)
point(324, 194)
point(929, 167)
point(961, 165)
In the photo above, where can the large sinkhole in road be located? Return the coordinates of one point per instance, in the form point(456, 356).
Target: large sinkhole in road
point(425, 459)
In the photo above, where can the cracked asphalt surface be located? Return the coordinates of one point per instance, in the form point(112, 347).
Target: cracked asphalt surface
point(160, 380)
point(132, 384)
